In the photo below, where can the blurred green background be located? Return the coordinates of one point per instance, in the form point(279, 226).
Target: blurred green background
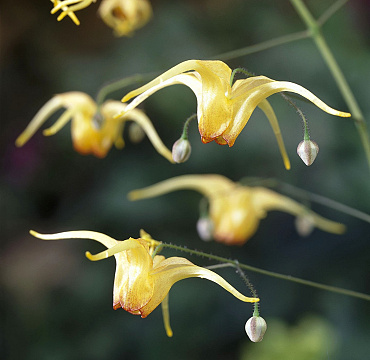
point(55, 304)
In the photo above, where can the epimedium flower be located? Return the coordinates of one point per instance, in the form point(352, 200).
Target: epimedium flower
point(236, 210)
point(125, 16)
point(94, 130)
point(143, 279)
point(224, 108)
point(68, 7)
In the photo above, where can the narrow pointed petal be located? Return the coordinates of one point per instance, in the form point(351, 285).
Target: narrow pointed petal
point(82, 234)
point(265, 106)
point(246, 103)
point(60, 123)
point(111, 108)
point(185, 79)
point(176, 70)
point(174, 269)
point(42, 115)
point(265, 200)
point(205, 184)
point(119, 247)
point(166, 316)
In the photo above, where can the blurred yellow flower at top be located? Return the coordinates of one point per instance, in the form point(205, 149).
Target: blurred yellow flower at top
point(225, 108)
point(94, 131)
point(143, 279)
point(236, 210)
point(125, 16)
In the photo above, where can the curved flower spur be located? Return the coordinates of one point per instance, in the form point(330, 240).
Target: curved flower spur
point(225, 108)
point(144, 279)
point(94, 130)
point(235, 211)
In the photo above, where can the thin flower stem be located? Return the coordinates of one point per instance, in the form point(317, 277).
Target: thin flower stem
point(120, 84)
point(271, 273)
point(281, 40)
point(306, 134)
point(314, 31)
point(239, 70)
point(326, 15)
point(185, 130)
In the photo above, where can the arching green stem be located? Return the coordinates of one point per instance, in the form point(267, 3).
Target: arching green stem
point(271, 273)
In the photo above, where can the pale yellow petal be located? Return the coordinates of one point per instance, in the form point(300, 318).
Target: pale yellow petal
point(81, 234)
point(166, 316)
point(133, 286)
point(60, 123)
point(185, 79)
point(42, 115)
point(265, 200)
point(176, 70)
point(111, 108)
point(265, 106)
point(205, 184)
point(175, 269)
point(246, 102)
point(117, 248)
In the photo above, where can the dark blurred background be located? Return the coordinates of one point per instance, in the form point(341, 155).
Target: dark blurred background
point(55, 304)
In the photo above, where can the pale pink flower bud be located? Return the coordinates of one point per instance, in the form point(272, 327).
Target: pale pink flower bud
point(307, 151)
point(256, 327)
point(181, 150)
point(205, 228)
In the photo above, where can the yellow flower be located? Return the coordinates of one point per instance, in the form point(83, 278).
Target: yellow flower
point(224, 109)
point(93, 132)
point(69, 10)
point(143, 279)
point(236, 210)
point(125, 16)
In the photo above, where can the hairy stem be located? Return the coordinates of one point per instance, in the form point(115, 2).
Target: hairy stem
point(236, 264)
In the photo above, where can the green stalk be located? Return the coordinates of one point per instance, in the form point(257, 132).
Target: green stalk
point(251, 49)
point(316, 34)
point(120, 84)
point(236, 264)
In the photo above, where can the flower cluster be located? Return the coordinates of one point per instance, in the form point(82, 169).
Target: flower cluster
point(234, 211)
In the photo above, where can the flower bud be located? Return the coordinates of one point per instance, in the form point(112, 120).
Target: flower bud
point(205, 228)
point(181, 150)
point(256, 327)
point(307, 151)
point(135, 133)
point(304, 224)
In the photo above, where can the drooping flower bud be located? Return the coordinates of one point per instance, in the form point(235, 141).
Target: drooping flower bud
point(304, 224)
point(205, 228)
point(136, 133)
point(256, 327)
point(181, 150)
point(307, 151)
